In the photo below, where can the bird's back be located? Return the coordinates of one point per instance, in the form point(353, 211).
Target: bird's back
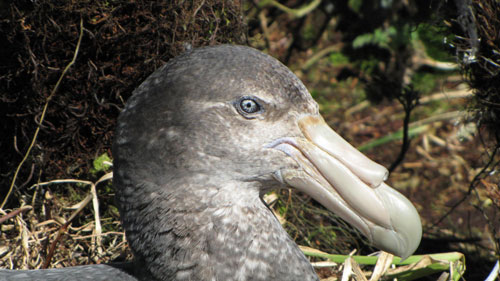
point(97, 272)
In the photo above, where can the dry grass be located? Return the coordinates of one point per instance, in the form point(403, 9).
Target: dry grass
point(74, 234)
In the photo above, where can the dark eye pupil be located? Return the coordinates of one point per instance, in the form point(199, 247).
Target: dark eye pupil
point(249, 106)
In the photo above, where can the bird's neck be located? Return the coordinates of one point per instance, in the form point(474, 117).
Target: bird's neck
point(220, 233)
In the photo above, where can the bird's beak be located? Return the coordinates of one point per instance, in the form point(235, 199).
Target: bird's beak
point(351, 185)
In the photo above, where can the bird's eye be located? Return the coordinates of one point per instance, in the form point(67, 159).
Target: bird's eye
point(249, 105)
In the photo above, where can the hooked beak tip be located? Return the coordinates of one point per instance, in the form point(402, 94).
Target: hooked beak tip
point(351, 185)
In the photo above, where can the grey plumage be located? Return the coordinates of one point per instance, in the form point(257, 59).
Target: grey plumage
point(96, 272)
point(190, 169)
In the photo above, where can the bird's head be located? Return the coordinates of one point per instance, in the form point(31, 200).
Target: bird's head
point(234, 114)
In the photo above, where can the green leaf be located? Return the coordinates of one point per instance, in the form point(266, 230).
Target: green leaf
point(101, 163)
point(379, 37)
point(337, 58)
point(434, 39)
point(412, 132)
point(355, 5)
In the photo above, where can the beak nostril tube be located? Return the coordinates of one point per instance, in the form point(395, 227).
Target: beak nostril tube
point(315, 128)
